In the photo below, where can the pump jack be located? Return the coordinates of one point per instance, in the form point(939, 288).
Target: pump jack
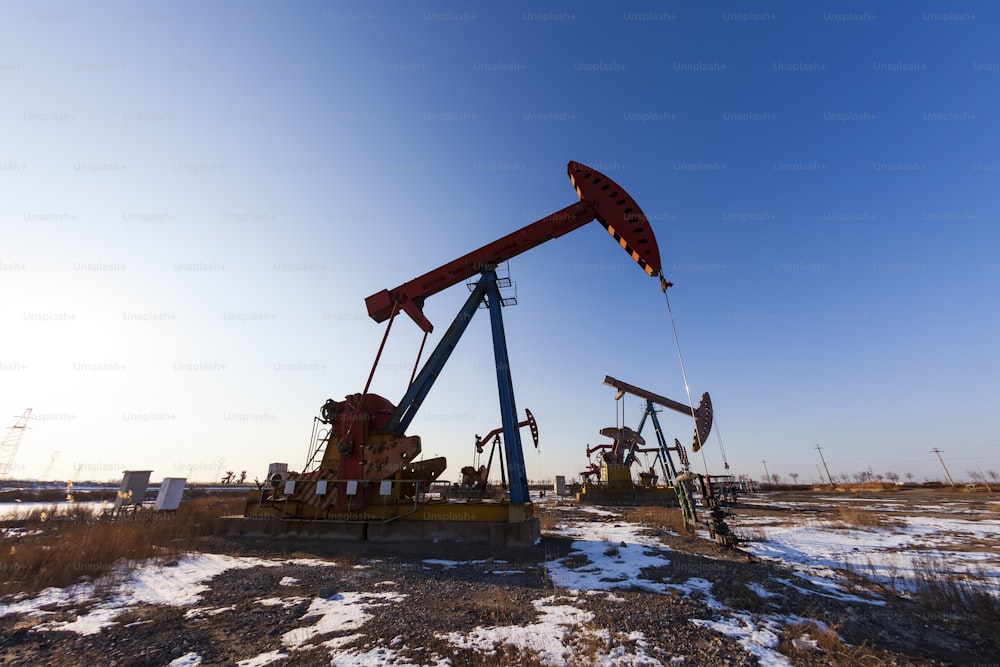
point(477, 479)
point(619, 460)
point(362, 465)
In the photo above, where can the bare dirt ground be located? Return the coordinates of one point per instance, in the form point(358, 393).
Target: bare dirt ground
point(422, 596)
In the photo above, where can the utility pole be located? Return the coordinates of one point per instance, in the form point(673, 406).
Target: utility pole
point(820, 450)
point(767, 477)
point(938, 452)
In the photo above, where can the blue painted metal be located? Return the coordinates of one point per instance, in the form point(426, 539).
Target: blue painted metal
point(485, 290)
point(422, 384)
point(668, 463)
point(669, 470)
point(516, 474)
point(630, 457)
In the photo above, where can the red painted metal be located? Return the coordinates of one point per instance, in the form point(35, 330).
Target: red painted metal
point(703, 414)
point(619, 214)
point(529, 422)
point(600, 198)
point(351, 423)
point(599, 448)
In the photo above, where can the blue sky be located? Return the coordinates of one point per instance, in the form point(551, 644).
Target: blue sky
point(198, 197)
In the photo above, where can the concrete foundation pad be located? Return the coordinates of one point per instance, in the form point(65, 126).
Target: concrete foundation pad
point(284, 528)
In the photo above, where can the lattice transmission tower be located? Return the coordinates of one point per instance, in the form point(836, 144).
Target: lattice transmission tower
point(11, 441)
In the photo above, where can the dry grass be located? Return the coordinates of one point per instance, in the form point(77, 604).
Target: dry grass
point(853, 487)
point(61, 549)
point(944, 594)
point(797, 638)
point(548, 521)
point(883, 577)
point(586, 642)
point(737, 594)
point(502, 654)
point(655, 516)
point(496, 606)
point(37, 517)
point(857, 517)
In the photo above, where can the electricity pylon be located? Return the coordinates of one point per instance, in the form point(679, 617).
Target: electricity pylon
point(11, 441)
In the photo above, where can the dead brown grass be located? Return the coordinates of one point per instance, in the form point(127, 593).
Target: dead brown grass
point(587, 641)
point(502, 654)
point(61, 549)
point(867, 486)
point(737, 594)
point(854, 516)
point(548, 521)
point(496, 606)
point(829, 644)
point(655, 516)
point(37, 517)
point(944, 594)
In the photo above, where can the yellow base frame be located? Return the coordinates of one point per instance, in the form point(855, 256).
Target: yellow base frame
point(492, 511)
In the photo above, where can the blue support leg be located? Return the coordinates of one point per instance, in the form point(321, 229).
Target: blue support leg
point(630, 459)
point(516, 473)
point(683, 495)
point(668, 462)
point(422, 384)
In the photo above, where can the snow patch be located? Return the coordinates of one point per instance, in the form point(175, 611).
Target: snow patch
point(759, 640)
point(199, 612)
point(342, 612)
point(280, 602)
point(546, 637)
point(179, 583)
point(186, 660)
point(263, 659)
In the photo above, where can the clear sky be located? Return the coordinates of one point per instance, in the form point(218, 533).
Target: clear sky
point(197, 197)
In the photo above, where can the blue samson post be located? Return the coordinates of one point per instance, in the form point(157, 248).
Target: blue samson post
point(486, 289)
point(669, 470)
point(516, 474)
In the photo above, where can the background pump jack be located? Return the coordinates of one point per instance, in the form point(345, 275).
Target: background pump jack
point(476, 480)
point(362, 468)
point(617, 460)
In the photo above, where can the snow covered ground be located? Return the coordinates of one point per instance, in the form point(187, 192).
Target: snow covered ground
point(950, 537)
